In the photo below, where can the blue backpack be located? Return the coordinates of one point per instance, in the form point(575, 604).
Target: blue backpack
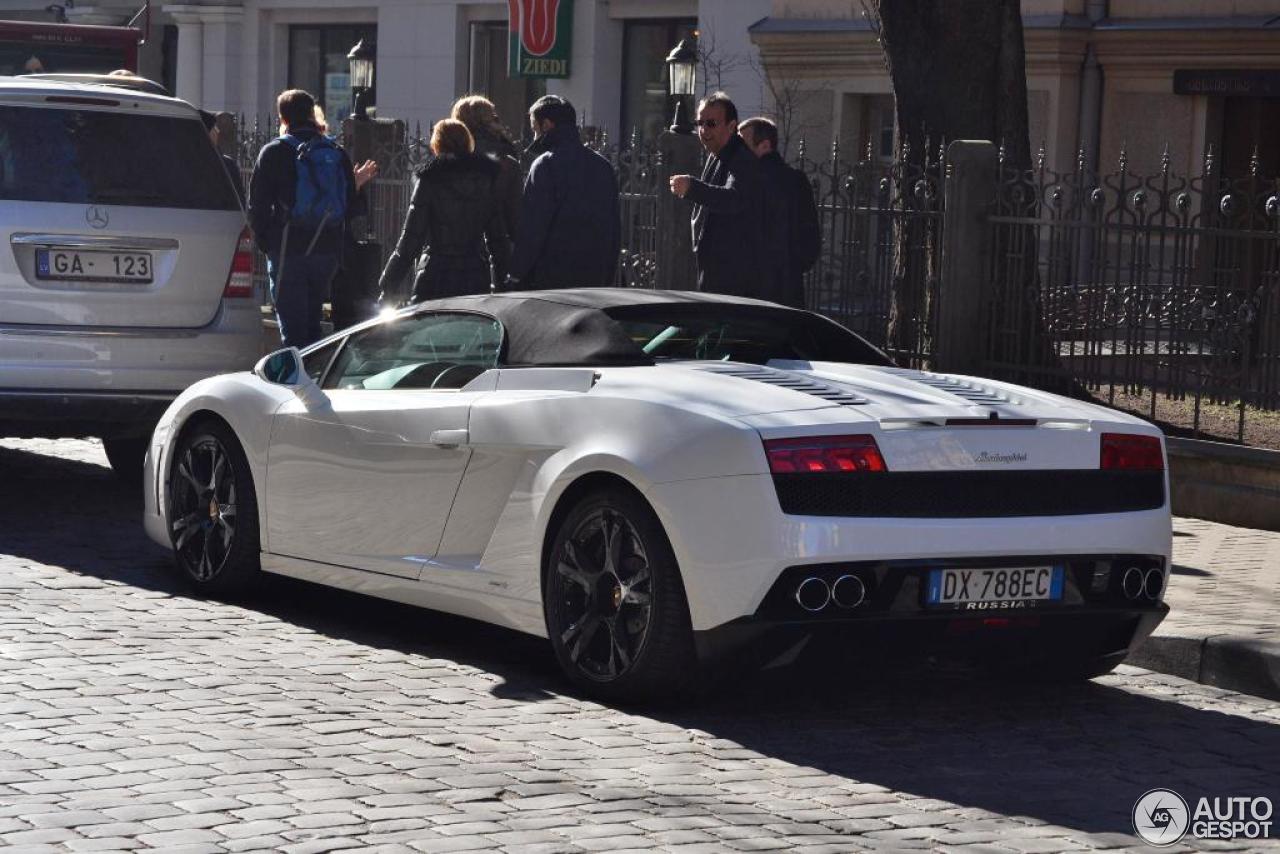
point(320, 195)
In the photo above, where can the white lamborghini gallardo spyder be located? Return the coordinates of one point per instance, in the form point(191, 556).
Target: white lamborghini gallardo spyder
point(653, 479)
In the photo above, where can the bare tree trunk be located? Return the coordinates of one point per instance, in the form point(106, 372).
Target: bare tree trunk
point(959, 72)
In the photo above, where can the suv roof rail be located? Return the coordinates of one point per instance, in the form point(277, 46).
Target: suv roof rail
point(120, 81)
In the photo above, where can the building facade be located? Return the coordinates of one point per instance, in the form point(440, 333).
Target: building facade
point(1101, 75)
point(237, 55)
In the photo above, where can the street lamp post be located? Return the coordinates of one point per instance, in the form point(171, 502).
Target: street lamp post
point(679, 153)
point(682, 63)
point(361, 58)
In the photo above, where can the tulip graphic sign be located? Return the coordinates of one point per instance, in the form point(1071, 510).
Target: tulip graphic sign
point(539, 37)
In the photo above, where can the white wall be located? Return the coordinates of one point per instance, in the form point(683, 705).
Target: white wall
point(418, 44)
point(724, 24)
point(594, 86)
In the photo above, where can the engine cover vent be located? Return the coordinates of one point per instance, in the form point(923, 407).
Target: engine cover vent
point(786, 379)
point(971, 392)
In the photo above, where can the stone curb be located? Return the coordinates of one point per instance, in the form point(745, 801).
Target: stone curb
point(1237, 663)
point(1225, 483)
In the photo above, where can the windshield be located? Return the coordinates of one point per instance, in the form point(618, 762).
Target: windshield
point(755, 336)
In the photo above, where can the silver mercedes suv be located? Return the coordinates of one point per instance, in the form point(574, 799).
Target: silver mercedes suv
point(126, 270)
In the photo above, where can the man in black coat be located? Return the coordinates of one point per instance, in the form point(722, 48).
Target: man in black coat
point(794, 237)
point(728, 209)
point(570, 219)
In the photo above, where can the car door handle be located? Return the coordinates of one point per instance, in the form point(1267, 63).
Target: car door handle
point(450, 438)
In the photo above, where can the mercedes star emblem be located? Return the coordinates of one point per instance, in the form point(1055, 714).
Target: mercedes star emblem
point(96, 216)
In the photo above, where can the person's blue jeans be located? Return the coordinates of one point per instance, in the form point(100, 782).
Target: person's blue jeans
point(299, 297)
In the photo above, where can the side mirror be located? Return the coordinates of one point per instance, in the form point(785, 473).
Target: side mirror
point(285, 368)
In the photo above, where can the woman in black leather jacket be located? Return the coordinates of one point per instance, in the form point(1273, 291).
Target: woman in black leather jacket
point(454, 226)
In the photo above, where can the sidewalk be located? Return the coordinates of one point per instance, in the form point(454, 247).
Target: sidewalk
point(1225, 599)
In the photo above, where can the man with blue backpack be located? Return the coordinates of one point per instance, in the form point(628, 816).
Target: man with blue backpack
point(301, 196)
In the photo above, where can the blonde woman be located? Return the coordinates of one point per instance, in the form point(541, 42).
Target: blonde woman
point(454, 228)
point(494, 140)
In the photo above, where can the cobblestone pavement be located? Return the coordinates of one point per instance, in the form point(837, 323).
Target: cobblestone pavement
point(1225, 580)
point(303, 720)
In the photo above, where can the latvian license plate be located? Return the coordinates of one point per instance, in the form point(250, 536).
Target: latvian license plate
point(982, 589)
point(93, 265)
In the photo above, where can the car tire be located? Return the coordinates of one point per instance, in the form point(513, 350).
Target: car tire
point(125, 456)
point(618, 618)
point(213, 511)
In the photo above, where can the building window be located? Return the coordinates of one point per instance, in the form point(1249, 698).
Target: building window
point(318, 63)
point(646, 106)
point(511, 96)
point(877, 127)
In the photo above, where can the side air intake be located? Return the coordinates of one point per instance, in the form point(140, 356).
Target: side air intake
point(786, 379)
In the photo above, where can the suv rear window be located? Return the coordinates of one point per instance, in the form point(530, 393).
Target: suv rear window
point(102, 158)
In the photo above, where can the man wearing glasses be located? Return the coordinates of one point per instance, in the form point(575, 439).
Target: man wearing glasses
point(728, 208)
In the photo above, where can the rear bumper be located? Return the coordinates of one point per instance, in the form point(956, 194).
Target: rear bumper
point(1031, 643)
point(60, 381)
point(60, 415)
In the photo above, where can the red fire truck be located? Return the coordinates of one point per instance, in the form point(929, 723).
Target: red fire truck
point(28, 47)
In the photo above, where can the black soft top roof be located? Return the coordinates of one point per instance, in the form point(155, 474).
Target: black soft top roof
point(577, 326)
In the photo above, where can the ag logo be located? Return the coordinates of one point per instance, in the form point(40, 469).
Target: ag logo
point(1161, 817)
point(96, 216)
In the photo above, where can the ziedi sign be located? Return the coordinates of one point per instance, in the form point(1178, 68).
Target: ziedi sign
point(539, 38)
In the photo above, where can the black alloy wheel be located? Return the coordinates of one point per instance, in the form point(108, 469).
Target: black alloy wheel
point(614, 602)
point(213, 513)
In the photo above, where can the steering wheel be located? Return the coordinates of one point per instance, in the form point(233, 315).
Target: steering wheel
point(424, 375)
point(465, 373)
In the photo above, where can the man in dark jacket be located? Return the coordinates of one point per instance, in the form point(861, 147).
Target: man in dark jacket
point(570, 223)
point(301, 260)
point(728, 210)
point(794, 238)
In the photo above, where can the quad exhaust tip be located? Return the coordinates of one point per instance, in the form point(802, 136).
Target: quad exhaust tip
point(848, 591)
point(1138, 584)
point(1152, 584)
point(1132, 583)
point(813, 594)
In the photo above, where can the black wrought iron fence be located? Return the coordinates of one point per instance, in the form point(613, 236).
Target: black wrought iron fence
point(1160, 288)
point(881, 230)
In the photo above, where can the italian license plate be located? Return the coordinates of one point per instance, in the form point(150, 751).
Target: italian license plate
point(93, 265)
point(984, 588)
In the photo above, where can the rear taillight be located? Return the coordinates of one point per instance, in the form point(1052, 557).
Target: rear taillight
point(240, 279)
point(1128, 451)
point(823, 454)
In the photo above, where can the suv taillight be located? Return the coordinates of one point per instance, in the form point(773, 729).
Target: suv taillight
point(1128, 451)
point(824, 454)
point(240, 279)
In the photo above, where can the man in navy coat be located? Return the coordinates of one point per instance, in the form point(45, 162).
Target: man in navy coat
point(570, 221)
